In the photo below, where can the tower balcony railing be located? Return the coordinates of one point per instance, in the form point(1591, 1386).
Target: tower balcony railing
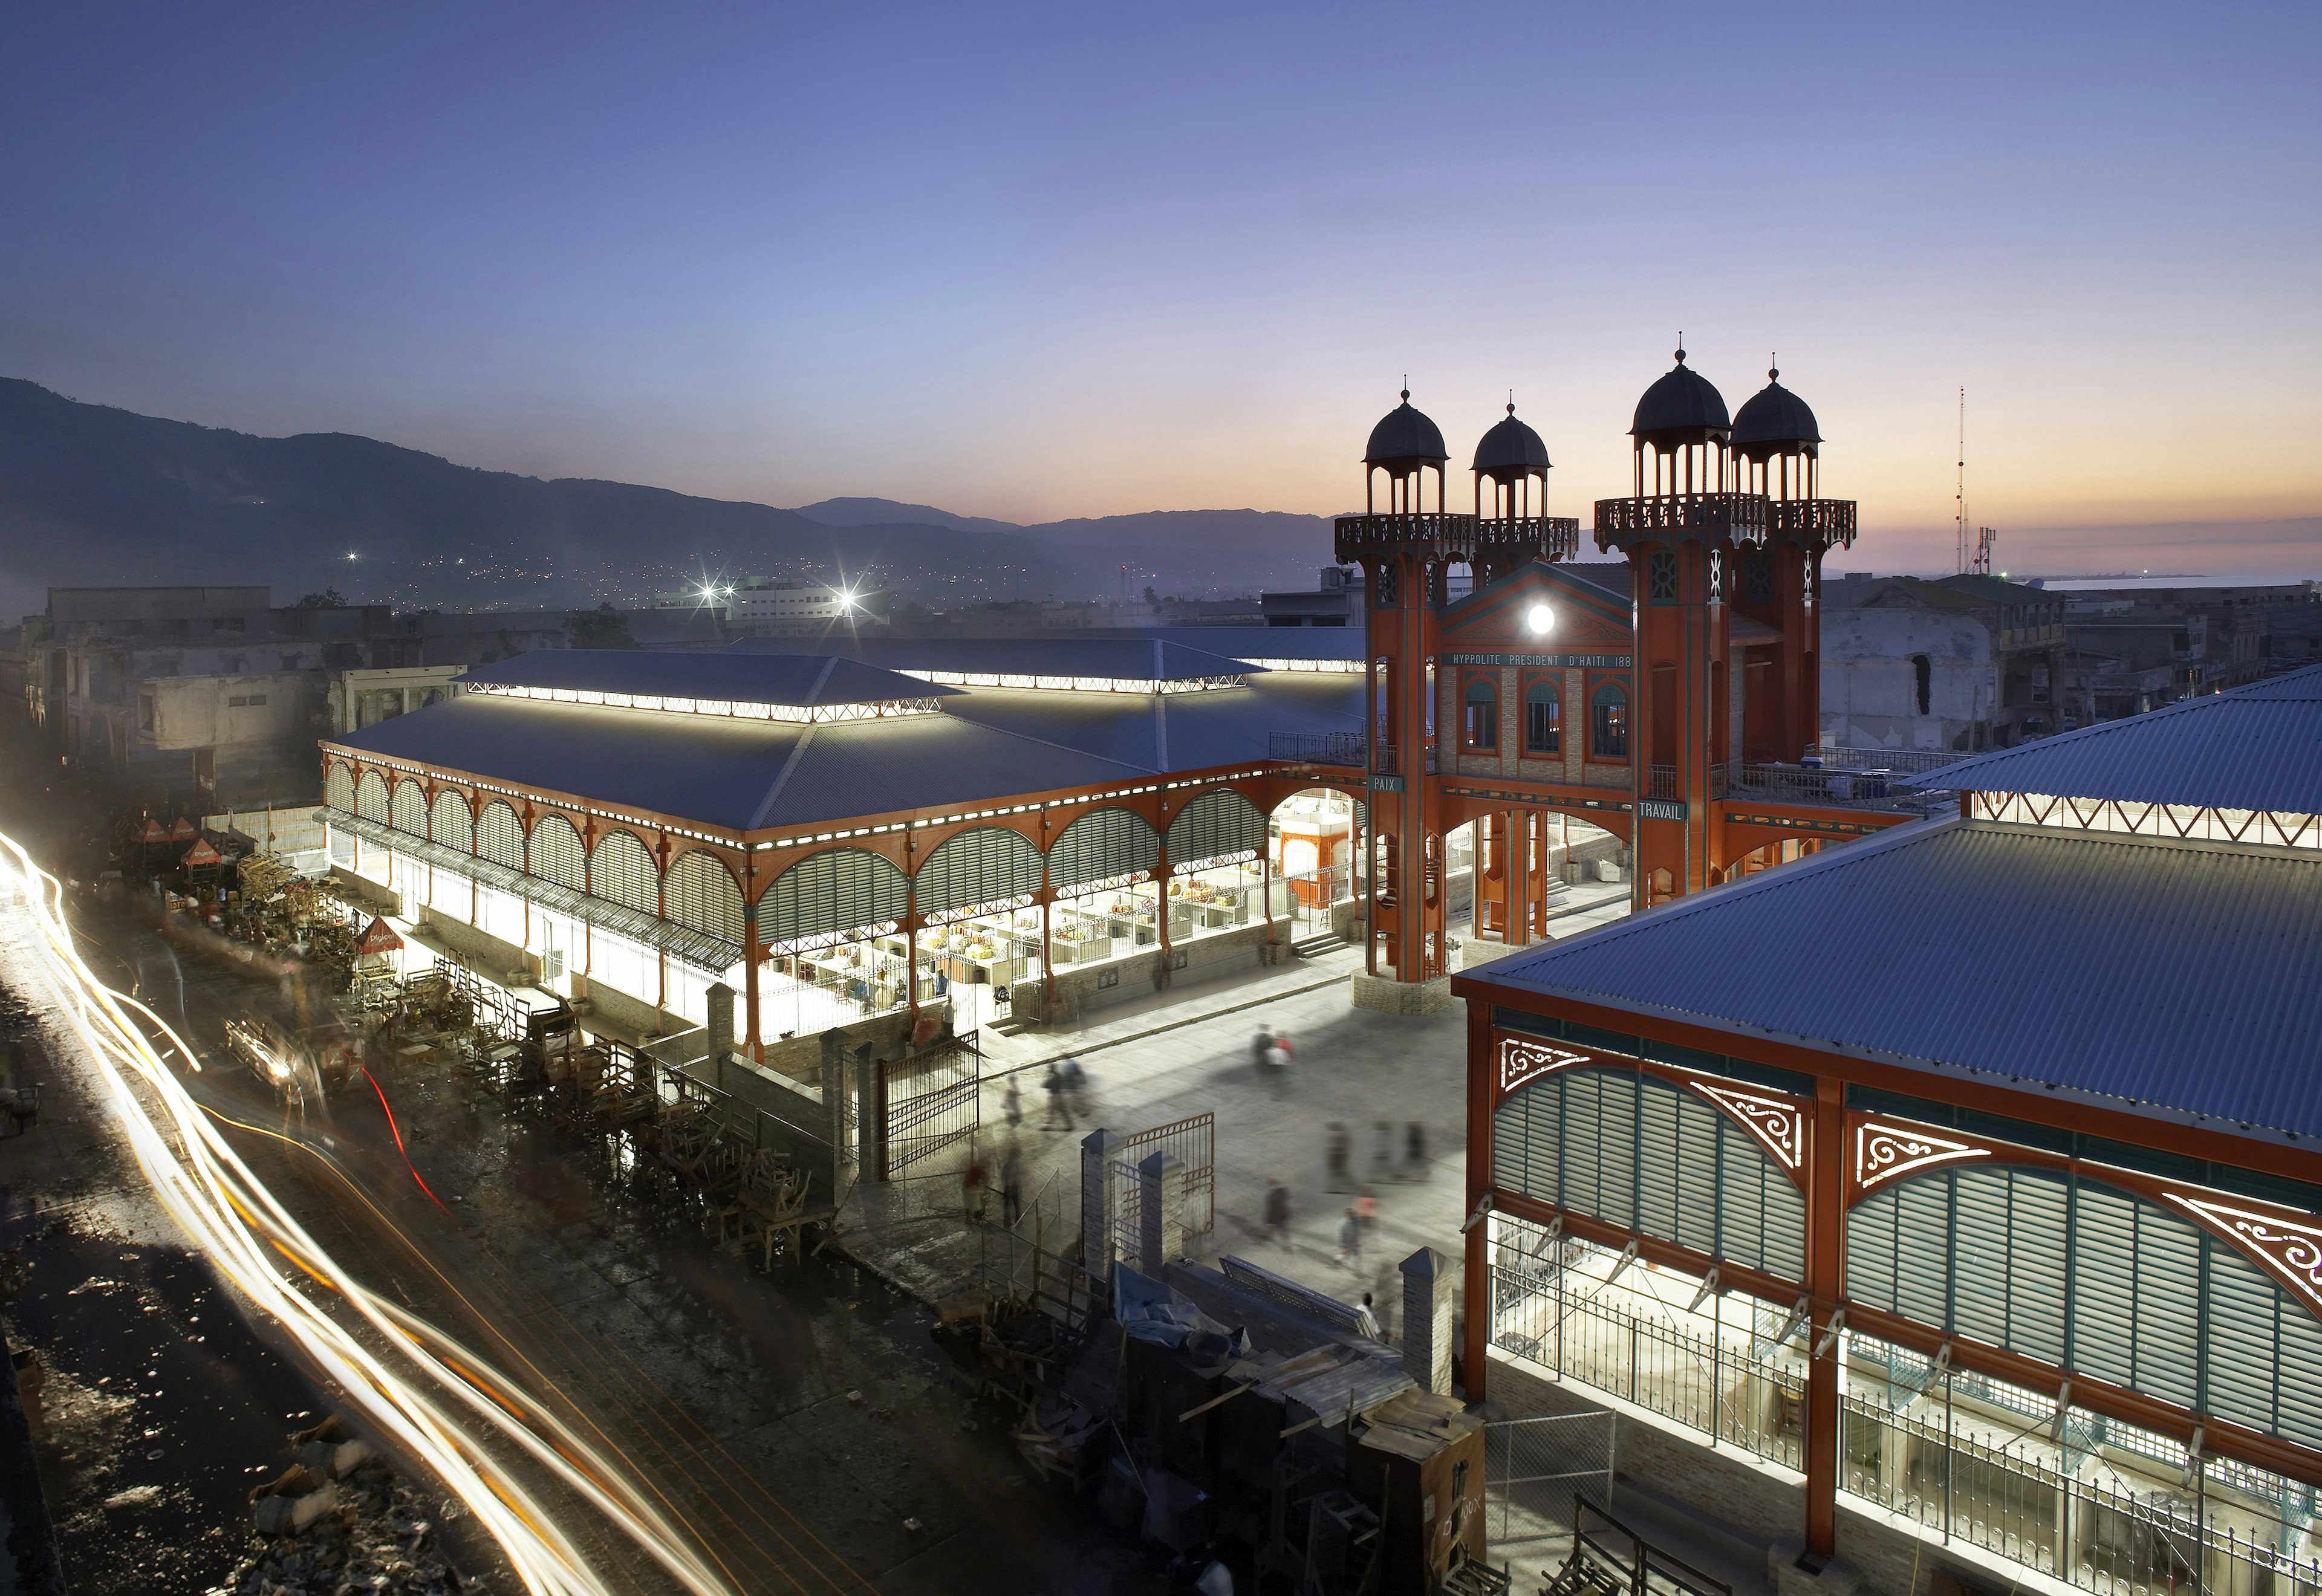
point(1544, 537)
point(1449, 536)
point(1740, 517)
point(1824, 523)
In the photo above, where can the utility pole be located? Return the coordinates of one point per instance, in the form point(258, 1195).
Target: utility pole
point(1958, 503)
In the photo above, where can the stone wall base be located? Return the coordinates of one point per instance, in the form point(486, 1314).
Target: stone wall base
point(1389, 996)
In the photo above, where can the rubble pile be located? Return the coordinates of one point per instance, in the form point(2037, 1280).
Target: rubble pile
point(340, 1521)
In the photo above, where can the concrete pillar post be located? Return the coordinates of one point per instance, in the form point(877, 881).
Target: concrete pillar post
point(834, 1102)
point(1427, 1292)
point(1097, 1208)
point(1160, 1212)
point(721, 1031)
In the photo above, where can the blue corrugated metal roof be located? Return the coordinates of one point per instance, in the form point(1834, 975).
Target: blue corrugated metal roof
point(733, 774)
point(789, 678)
point(2185, 976)
point(1120, 659)
point(2258, 747)
point(1178, 731)
point(2303, 685)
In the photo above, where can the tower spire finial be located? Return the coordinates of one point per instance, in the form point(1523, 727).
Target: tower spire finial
point(1511, 401)
point(1406, 387)
point(1773, 367)
point(1680, 349)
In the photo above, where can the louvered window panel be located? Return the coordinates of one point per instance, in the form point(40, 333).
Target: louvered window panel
point(2039, 1249)
point(499, 835)
point(1871, 1248)
point(371, 796)
point(1922, 1251)
point(2168, 1340)
point(409, 808)
point(339, 789)
point(454, 827)
point(2155, 1304)
point(2298, 1383)
point(2241, 1353)
point(1634, 1151)
point(1658, 1173)
point(702, 896)
point(2104, 1284)
point(833, 891)
point(556, 853)
point(1215, 824)
point(1696, 1162)
point(1980, 1266)
point(1101, 845)
point(983, 865)
point(622, 871)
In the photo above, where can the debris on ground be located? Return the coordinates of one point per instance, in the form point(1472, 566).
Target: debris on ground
point(339, 1519)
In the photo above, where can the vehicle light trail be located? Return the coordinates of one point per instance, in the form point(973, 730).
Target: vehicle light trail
point(225, 1210)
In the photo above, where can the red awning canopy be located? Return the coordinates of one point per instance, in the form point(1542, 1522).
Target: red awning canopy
point(201, 853)
point(181, 830)
point(379, 938)
point(153, 833)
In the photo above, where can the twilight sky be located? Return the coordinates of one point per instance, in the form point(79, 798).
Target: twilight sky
point(1037, 261)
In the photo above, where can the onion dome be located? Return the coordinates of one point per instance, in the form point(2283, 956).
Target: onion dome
point(1406, 438)
point(1511, 447)
point(1775, 421)
point(1682, 407)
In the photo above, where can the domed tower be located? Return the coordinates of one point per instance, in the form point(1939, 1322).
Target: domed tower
point(1775, 442)
point(1513, 458)
point(1776, 448)
point(1675, 714)
point(1404, 445)
point(1405, 549)
point(1512, 526)
point(1682, 426)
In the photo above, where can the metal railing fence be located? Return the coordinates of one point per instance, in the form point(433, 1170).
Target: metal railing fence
point(1545, 1316)
point(2122, 1537)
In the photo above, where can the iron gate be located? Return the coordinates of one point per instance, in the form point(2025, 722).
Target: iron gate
point(933, 1098)
point(1193, 1143)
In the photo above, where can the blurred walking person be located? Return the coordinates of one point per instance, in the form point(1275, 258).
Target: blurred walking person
point(1012, 1184)
point(1059, 1104)
point(1277, 1211)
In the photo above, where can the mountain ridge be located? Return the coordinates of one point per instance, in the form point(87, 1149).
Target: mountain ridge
point(95, 493)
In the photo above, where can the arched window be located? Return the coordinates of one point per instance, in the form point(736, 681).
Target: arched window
point(339, 789)
point(371, 796)
point(556, 853)
point(499, 835)
point(1543, 718)
point(1481, 726)
point(454, 827)
point(1102, 843)
point(1608, 722)
point(702, 896)
point(622, 871)
point(409, 809)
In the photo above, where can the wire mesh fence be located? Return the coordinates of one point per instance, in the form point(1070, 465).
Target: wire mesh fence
point(1534, 1469)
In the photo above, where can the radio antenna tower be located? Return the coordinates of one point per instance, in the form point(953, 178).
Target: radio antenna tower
point(1958, 500)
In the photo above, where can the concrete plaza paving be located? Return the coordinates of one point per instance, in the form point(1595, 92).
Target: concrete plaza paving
point(1158, 1060)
